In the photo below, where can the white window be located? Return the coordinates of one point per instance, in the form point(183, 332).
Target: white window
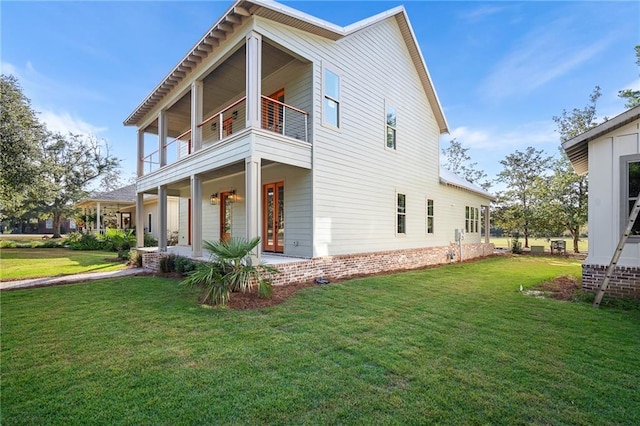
point(391, 116)
point(331, 101)
point(471, 219)
point(401, 214)
point(429, 216)
point(630, 186)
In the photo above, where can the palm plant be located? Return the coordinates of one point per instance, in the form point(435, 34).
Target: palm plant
point(231, 269)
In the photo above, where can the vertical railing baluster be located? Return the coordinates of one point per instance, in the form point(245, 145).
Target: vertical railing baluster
point(220, 126)
point(284, 116)
point(306, 130)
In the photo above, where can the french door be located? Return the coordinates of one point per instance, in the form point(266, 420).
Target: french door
point(273, 112)
point(225, 215)
point(273, 217)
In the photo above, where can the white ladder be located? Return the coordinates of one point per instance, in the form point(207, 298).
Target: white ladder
point(616, 255)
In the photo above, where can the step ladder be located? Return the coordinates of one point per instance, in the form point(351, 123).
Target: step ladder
point(616, 255)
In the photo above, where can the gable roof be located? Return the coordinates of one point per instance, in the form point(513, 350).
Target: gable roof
point(126, 194)
point(277, 12)
point(577, 149)
point(447, 177)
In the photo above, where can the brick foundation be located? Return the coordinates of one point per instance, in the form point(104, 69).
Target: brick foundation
point(625, 281)
point(344, 266)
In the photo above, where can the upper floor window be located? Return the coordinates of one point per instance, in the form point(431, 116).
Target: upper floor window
point(402, 214)
point(391, 127)
point(630, 190)
point(429, 216)
point(472, 217)
point(331, 102)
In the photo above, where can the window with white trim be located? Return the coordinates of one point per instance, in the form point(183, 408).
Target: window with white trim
point(471, 219)
point(331, 101)
point(630, 185)
point(391, 120)
point(401, 204)
point(429, 216)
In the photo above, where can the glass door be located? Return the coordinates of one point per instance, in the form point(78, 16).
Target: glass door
point(225, 215)
point(273, 217)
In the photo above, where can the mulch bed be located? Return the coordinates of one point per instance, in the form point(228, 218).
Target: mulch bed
point(246, 301)
point(561, 288)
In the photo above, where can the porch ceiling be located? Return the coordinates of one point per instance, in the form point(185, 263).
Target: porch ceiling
point(222, 84)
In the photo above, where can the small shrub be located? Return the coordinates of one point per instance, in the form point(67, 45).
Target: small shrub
point(8, 244)
point(516, 245)
point(87, 242)
point(168, 263)
point(172, 239)
point(135, 258)
point(149, 240)
point(184, 265)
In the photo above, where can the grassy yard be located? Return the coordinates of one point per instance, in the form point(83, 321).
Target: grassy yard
point(41, 262)
point(452, 345)
point(583, 244)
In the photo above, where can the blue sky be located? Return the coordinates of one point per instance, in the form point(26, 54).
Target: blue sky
point(501, 69)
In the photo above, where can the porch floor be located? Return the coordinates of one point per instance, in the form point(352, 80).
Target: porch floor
point(266, 257)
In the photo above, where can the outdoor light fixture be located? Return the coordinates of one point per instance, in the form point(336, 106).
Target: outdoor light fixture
point(232, 196)
point(215, 199)
point(235, 114)
point(214, 125)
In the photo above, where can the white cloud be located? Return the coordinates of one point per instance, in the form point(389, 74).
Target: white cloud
point(537, 134)
point(542, 55)
point(65, 123)
point(482, 12)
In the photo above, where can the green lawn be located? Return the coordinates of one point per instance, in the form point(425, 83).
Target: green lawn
point(42, 262)
point(583, 244)
point(452, 345)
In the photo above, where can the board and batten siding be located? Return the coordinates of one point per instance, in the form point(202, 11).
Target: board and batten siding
point(604, 195)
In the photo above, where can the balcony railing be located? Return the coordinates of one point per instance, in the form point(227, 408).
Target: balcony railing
point(284, 119)
point(277, 117)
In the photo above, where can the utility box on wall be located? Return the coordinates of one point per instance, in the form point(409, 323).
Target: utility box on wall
point(459, 235)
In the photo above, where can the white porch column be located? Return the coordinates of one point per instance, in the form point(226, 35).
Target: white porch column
point(196, 216)
point(196, 115)
point(140, 152)
point(162, 137)
point(253, 183)
point(254, 78)
point(98, 217)
point(487, 222)
point(162, 218)
point(140, 219)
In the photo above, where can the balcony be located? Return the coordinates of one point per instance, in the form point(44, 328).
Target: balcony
point(277, 117)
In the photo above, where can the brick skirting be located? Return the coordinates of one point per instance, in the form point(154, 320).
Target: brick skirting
point(344, 266)
point(625, 281)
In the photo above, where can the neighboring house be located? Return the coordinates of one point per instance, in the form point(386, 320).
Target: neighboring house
point(117, 209)
point(611, 155)
point(321, 140)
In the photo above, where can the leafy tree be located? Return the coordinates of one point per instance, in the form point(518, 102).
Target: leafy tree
point(520, 173)
point(564, 201)
point(632, 96)
point(69, 163)
point(578, 121)
point(459, 162)
point(565, 195)
point(20, 136)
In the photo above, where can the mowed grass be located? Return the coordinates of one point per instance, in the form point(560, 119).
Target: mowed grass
point(41, 262)
point(453, 345)
point(504, 242)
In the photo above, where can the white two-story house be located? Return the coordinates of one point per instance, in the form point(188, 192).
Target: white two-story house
point(322, 140)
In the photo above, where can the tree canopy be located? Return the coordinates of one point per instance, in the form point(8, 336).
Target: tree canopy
point(20, 137)
point(459, 162)
point(44, 173)
point(631, 96)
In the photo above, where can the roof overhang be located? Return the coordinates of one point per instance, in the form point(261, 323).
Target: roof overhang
point(449, 178)
point(277, 12)
point(577, 149)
